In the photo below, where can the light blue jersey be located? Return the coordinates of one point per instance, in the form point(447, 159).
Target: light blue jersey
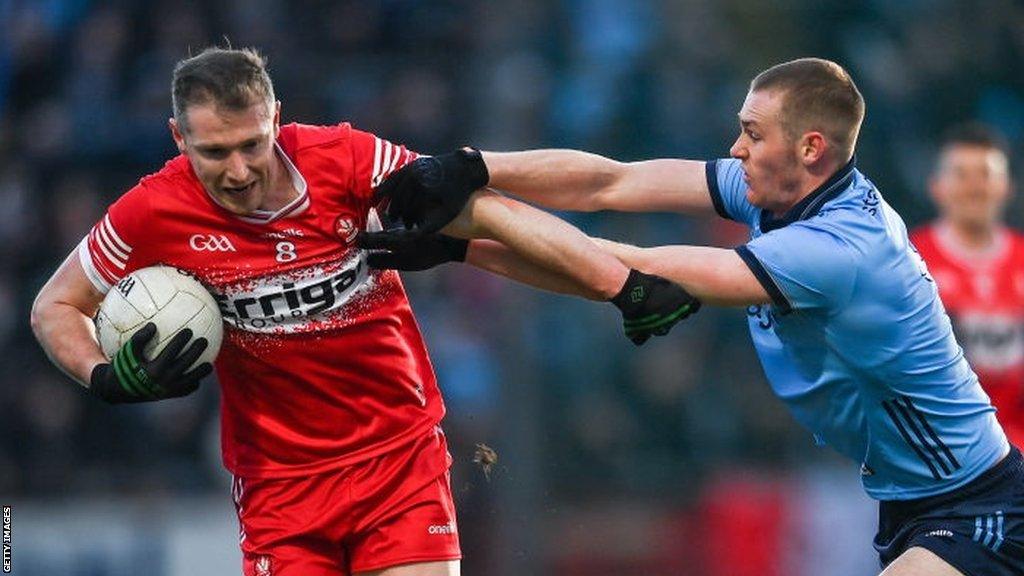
point(856, 340)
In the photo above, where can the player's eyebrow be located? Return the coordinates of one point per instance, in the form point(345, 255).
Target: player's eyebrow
point(223, 147)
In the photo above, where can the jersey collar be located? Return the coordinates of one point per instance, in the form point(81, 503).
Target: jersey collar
point(813, 202)
point(972, 258)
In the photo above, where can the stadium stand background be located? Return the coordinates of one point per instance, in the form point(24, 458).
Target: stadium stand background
point(670, 459)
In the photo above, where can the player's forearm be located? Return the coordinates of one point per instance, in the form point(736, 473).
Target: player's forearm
point(545, 240)
point(573, 180)
point(558, 179)
point(714, 275)
point(495, 257)
point(68, 338)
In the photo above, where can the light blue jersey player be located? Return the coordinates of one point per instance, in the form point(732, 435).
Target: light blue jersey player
point(856, 340)
point(844, 316)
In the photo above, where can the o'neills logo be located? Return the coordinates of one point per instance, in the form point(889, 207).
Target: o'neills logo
point(448, 528)
point(293, 301)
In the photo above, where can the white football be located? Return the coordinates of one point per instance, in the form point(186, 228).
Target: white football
point(165, 296)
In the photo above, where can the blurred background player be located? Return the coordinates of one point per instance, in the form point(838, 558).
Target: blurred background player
point(978, 263)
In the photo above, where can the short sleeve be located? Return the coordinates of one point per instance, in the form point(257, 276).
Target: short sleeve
point(112, 248)
point(729, 191)
point(374, 158)
point(802, 266)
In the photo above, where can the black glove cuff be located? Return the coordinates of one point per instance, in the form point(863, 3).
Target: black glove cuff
point(476, 172)
point(633, 292)
point(456, 248)
point(100, 381)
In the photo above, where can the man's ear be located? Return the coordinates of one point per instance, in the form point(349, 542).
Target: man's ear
point(179, 140)
point(277, 118)
point(812, 147)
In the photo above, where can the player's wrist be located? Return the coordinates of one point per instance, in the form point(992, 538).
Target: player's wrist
point(651, 305)
point(104, 384)
point(631, 295)
point(472, 167)
point(454, 248)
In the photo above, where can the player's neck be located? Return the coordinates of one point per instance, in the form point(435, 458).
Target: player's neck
point(809, 183)
point(972, 238)
point(282, 188)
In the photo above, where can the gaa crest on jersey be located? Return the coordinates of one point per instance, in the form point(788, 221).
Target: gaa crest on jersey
point(345, 228)
point(211, 243)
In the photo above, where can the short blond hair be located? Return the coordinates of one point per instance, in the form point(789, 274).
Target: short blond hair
point(228, 77)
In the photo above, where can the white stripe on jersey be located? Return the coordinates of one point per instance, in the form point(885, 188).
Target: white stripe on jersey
point(117, 239)
point(375, 175)
point(85, 258)
point(394, 160)
point(385, 162)
point(386, 157)
point(106, 251)
point(117, 257)
point(236, 494)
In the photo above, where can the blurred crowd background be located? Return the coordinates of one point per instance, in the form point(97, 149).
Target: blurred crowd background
point(669, 459)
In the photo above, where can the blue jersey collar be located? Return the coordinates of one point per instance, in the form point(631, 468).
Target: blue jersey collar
point(813, 202)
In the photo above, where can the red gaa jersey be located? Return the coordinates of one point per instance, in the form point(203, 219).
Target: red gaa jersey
point(983, 292)
point(322, 363)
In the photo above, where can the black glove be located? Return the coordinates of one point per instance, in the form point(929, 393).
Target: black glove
point(131, 378)
point(651, 306)
point(400, 250)
point(429, 192)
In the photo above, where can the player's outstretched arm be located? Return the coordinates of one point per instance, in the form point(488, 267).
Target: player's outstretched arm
point(543, 239)
point(542, 250)
point(397, 250)
point(581, 181)
point(429, 192)
point(714, 275)
point(496, 258)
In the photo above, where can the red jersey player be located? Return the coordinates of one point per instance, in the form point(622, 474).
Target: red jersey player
point(978, 265)
point(330, 408)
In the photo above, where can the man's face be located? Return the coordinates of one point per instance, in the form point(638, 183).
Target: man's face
point(770, 158)
point(971, 185)
point(231, 151)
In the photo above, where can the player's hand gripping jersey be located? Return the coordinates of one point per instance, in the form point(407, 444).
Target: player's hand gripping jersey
point(322, 364)
point(984, 295)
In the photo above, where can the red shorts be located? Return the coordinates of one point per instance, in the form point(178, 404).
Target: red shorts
point(394, 509)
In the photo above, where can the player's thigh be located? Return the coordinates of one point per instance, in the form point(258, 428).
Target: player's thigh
point(918, 561)
point(444, 568)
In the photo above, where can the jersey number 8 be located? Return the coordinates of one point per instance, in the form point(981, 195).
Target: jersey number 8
point(286, 252)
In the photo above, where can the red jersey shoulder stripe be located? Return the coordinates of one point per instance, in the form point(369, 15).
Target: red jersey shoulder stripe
point(104, 255)
point(387, 157)
point(101, 278)
point(105, 238)
point(109, 240)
